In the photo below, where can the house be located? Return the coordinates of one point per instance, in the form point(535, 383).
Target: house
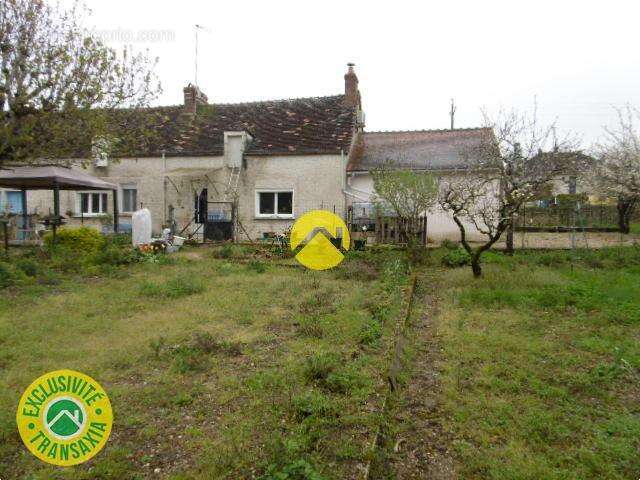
point(441, 152)
point(248, 170)
point(223, 171)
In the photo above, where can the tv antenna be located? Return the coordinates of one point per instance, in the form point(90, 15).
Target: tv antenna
point(197, 28)
point(452, 112)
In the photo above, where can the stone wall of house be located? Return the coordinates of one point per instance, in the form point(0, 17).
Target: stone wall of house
point(317, 182)
point(165, 185)
point(160, 183)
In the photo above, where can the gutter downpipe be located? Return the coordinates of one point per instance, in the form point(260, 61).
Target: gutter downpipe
point(164, 189)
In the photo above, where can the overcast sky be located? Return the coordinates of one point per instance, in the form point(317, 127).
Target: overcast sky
point(578, 58)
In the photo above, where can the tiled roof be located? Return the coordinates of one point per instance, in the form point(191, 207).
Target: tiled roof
point(295, 126)
point(424, 149)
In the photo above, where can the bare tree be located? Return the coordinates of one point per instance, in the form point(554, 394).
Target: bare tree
point(59, 83)
point(617, 172)
point(409, 194)
point(506, 170)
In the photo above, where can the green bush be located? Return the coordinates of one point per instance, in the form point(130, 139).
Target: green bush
point(11, 276)
point(6, 275)
point(449, 244)
point(65, 260)
point(456, 258)
point(84, 241)
point(28, 266)
point(115, 255)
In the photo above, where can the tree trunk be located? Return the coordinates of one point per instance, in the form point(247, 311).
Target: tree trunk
point(624, 213)
point(475, 266)
point(510, 234)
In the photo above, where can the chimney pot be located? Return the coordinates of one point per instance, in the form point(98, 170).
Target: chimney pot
point(351, 92)
point(193, 97)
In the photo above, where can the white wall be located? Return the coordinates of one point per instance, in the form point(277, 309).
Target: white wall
point(316, 180)
point(148, 175)
point(440, 224)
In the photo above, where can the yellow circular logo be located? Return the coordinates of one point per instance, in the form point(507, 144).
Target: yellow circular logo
point(64, 417)
point(319, 238)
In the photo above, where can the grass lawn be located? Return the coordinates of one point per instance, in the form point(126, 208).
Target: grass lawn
point(541, 366)
point(215, 369)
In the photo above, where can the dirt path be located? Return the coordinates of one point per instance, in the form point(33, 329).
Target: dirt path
point(414, 444)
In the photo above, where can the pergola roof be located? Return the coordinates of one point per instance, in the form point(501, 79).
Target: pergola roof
point(46, 178)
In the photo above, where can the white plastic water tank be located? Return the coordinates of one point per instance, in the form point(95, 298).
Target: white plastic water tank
point(141, 227)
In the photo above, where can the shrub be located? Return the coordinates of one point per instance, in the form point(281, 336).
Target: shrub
point(6, 275)
point(449, 244)
point(48, 277)
point(115, 255)
point(456, 258)
point(29, 267)
point(82, 240)
point(66, 260)
point(10, 277)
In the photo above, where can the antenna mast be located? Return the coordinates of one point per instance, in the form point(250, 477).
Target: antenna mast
point(197, 27)
point(452, 113)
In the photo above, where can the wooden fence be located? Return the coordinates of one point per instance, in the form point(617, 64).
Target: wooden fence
point(389, 230)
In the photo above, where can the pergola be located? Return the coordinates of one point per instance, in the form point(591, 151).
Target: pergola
point(54, 178)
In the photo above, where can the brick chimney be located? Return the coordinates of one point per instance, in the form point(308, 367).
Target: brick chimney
point(193, 97)
point(351, 92)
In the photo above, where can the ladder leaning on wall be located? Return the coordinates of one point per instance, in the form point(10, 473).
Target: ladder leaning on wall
point(231, 193)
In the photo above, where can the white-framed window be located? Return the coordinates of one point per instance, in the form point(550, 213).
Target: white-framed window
point(129, 198)
point(91, 204)
point(274, 203)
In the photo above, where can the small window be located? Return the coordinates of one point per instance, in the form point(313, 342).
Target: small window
point(129, 199)
point(285, 203)
point(267, 203)
point(92, 203)
point(275, 204)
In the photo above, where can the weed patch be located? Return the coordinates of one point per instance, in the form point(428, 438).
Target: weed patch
point(173, 288)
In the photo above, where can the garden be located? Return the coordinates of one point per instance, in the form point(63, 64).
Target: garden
point(220, 362)
point(232, 361)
